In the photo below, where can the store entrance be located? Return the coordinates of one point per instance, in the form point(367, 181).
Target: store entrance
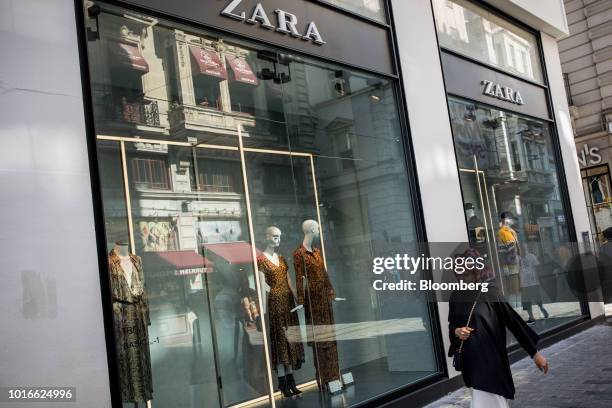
point(513, 208)
point(480, 214)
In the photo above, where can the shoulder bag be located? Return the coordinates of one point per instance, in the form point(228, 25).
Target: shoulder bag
point(458, 356)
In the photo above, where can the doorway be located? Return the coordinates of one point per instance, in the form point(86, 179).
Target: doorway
point(480, 212)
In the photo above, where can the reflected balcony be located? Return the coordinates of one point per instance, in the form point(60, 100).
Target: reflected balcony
point(187, 120)
point(139, 117)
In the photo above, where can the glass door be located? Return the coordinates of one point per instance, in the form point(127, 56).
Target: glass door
point(479, 214)
point(513, 208)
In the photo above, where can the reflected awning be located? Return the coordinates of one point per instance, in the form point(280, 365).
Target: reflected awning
point(181, 262)
point(206, 62)
point(242, 70)
point(235, 253)
point(129, 56)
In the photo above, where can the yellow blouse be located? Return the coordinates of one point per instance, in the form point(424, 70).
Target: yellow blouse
point(506, 235)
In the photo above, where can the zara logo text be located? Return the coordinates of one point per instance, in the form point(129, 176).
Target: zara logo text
point(504, 93)
point(286, 23)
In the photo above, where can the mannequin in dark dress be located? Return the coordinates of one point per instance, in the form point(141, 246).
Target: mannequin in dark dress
point(315, 292)
point(286, 355)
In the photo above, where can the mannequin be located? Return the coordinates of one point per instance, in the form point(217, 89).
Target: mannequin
point(131, 317)
point(315, 292)
point(286, 356)
point(508, 248)
point(475, 225)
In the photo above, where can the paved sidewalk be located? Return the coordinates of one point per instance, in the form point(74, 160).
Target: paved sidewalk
point(580, 375)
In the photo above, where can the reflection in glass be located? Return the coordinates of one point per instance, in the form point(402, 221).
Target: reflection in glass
point(373, 9)
point(471, 30)
point(209, 147)
point(513, 207)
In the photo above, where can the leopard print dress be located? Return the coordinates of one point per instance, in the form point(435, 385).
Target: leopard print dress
point(280, 317)
point(317, 295)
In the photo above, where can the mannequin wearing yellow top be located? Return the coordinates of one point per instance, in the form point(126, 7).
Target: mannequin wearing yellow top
point(508, 248)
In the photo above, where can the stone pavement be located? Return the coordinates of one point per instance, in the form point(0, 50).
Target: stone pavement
point(580, 375)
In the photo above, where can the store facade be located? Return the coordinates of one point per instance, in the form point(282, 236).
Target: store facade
point(240, 150)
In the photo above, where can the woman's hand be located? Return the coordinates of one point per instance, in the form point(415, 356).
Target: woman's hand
point(540, 362)
point(332, 294)
point(463, 332)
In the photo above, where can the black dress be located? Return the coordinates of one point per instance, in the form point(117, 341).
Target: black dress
point(485, 357)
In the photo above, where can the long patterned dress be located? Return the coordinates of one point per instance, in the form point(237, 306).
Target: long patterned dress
point(131, 317)
point(317, 296)
point(280, 303)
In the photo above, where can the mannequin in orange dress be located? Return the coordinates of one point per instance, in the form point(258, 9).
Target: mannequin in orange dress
point(286, 355)
point(315, 292)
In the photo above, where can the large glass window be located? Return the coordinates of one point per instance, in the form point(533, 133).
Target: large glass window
point(513, 208)
point(373, 9)
point(470, 30)
point(597, 186)
point(241, 224)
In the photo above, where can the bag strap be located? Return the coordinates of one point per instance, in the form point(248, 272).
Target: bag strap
point(470, 318)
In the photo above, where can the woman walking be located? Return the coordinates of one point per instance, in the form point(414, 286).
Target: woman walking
point(477, 329)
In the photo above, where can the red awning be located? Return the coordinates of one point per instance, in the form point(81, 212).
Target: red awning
point(181, 262)
point(242, 70)
point(206, 62)
point(130, 56)
point(233, 252)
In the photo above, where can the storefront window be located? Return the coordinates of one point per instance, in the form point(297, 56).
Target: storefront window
point(241, 224)
point(513, 208)
point(373, 9)
point(471, 30)
point(597, 186)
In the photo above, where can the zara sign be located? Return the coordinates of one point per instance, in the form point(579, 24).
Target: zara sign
point(286, 23)
point(465, 79)
point(505, 93)
point(311, 27)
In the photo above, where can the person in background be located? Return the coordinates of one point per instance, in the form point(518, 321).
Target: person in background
point(530, 289)
point(509, 252)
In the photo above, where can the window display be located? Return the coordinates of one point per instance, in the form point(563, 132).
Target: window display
point(597, 186)
point(255, 201)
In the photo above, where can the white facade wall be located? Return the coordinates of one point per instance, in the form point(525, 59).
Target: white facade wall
point(51, 314)
point(568, 147)
point(430, 130)
point(547, 16)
